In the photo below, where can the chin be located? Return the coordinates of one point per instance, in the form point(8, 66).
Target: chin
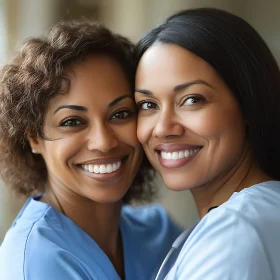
point(177, 188)
point(173, 185)
point(108, 196)
point(106, 199)
point(178, 182)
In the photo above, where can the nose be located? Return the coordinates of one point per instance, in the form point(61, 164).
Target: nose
point(168, 125)
point(102, 138)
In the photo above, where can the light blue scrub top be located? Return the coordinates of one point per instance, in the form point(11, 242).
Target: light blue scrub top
point(43, 244)
point(239, 240)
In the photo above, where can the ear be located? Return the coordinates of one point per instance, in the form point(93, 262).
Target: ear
point(34, 142)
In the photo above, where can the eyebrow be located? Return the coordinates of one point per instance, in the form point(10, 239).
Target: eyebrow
point(177, 88)
point(84, 109)
point(71, 107)
point(119, 99)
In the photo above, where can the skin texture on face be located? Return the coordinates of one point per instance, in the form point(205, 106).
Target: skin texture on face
point(93, 124)
point(188, 114)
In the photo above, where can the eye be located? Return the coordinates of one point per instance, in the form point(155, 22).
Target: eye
point(192, 100)
point(71, 122)
point(146, 105)
point(121, 115)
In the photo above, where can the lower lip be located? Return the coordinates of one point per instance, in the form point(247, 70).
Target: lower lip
point(176, 163)
point(106, 176)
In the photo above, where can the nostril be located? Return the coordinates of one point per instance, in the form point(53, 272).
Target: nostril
point(102, 142)
point(168, 129)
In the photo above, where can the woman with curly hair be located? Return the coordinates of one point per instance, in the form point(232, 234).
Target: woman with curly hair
point(68, 142)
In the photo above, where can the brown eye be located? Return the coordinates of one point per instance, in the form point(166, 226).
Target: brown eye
point(72, 122)
point(192, 100)
point(146, 105)
point(122, 115)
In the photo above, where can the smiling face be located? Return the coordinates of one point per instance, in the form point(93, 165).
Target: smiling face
point(95, 153)
point(189, 123)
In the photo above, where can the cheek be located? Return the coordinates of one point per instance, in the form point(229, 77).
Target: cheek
point(59, 151)
point(144, 130)
point(224, 133)
point(140, 134)
point(127, 134)
point(214, 123)
point(231, 128)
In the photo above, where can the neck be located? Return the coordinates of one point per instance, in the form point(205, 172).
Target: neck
point(98, 220)
point(243, 175)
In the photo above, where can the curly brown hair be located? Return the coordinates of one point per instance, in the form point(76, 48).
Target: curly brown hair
point(32, 78)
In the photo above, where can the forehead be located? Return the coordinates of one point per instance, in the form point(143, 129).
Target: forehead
point(172, 64)
point(96, 79)
point(95, 66)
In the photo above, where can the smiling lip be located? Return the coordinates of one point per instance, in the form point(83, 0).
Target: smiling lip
point(105, 160)
point(119, 160)
point(176, 155)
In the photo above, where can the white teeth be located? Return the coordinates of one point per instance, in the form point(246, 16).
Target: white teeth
point(114, 167)
point(109, 168)
point(175, 155)
point(102, 168)
point(96, 169)
point(179, 154)
point(90, 167)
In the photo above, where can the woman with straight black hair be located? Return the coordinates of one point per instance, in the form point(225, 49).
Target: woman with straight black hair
point(208, 92)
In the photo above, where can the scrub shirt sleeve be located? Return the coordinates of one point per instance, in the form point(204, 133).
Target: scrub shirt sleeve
point(56, 265)
point(224, 245)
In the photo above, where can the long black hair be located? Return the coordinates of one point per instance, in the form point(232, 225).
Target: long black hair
point(245, 63)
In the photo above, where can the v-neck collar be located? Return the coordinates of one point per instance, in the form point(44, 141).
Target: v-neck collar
point(82, 238)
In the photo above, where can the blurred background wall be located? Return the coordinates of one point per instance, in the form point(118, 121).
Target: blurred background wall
point(20, 19)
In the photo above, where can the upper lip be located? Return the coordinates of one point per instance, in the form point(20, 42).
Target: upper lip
point(175, 147)
point(104, 160)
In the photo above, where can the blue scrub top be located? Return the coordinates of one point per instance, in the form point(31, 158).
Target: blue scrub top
point(239, 240)
point(43, 244)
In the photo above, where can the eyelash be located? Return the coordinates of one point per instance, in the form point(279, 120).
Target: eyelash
point(141, 103)
point(64, 122)
point(127, 112)
point(196, 98)
point(79, 122)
